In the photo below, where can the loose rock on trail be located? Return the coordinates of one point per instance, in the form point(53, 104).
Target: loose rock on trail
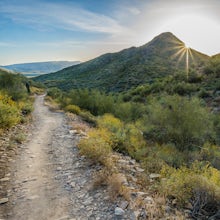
point(48, 179)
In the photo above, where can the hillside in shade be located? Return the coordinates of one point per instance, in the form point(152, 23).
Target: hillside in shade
point(115, 72)
point(38, 68)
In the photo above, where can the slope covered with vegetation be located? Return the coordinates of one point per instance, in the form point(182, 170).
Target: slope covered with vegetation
point(171, 130)
point(115, 72)
point(15, 102)
point(144, 103)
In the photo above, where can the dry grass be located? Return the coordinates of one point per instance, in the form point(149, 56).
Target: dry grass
point(100, 178)
point(116, 185)
point(19, 138)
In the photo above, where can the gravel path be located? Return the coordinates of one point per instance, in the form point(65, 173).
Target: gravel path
point(49, 180)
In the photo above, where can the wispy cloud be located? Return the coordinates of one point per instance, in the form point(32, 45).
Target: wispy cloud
point(7, 44)
point(58, 15)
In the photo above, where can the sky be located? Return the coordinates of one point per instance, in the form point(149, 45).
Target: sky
point(49, 30)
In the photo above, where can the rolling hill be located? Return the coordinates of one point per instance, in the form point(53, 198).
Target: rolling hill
point(38, 68)
point(115, 72)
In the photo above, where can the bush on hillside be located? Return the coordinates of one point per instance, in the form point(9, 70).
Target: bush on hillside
point(178, 120)
point(73, 109)
point(97, 146)
point(96, 102)
point(55, 93)
point(198, 185)
point(9, 112)
point(88, 117)
point(125, 138)
point(129, 111)
point(13, 85)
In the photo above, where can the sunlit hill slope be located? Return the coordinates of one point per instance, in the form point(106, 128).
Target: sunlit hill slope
point(164, 55)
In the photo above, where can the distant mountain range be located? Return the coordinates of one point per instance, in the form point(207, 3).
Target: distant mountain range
point(39, 68)
point(115, 72)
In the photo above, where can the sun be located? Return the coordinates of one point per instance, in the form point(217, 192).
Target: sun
point(183, 52)
point(186, 46)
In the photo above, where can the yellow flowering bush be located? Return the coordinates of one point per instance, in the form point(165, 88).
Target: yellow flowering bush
point(73, 109)
point(187, 183)
point(97, 146)
point(9, 112)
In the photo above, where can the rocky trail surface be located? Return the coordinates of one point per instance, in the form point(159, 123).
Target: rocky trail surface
point(48, 179)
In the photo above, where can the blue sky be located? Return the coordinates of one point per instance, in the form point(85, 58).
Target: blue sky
point(43, 30)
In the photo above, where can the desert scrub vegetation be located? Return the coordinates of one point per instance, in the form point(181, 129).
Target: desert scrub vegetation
point(125, 137)
point(170, 134)
point(73, 109)
point(97, 147)
point(99, 103)
point(198, 185)
point(178, 120)
point(9, 112)
point(15, 102)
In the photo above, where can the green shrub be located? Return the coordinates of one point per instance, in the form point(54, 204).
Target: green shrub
point(55, 93)
point(26, 107)
point(97, 146)
point(88, 117)
point(199, 183)
point(129, 111)
point(210, 153)
point(178, 120)
point(9, 112)
point(13, 85)
point(73, 109)
point(109, 122)
point(116, 130)
point(94, 101)
point(125, 138)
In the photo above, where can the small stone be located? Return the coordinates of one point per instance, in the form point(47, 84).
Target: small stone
point(119, 211)
point(3, 200)
point(5, 179)
point(141, 194)
point(189, 206)
point(59, 169)
point(132, 162)
point(82, 133)
point(136, 214)
point(33, 197)
point(174, 202)
point(154, 175)
point(124, 204)
point(73, 131)
point(139, 169)
point(142, 214)
point(149, 200)
point(73, 184)
point(167, 209)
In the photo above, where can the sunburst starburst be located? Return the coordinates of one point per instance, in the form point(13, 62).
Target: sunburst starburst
point(183, 52)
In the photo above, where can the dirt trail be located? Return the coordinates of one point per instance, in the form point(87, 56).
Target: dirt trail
point(49, 180)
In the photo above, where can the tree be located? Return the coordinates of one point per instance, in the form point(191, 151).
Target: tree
point(178, 120)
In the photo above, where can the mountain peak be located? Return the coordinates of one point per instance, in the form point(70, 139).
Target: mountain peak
point(166, 37)
point(128, 68)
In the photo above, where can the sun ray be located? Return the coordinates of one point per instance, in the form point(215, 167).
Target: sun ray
point(183, 52)
point(178, 53)
point(191, 55)
point(187, 63)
